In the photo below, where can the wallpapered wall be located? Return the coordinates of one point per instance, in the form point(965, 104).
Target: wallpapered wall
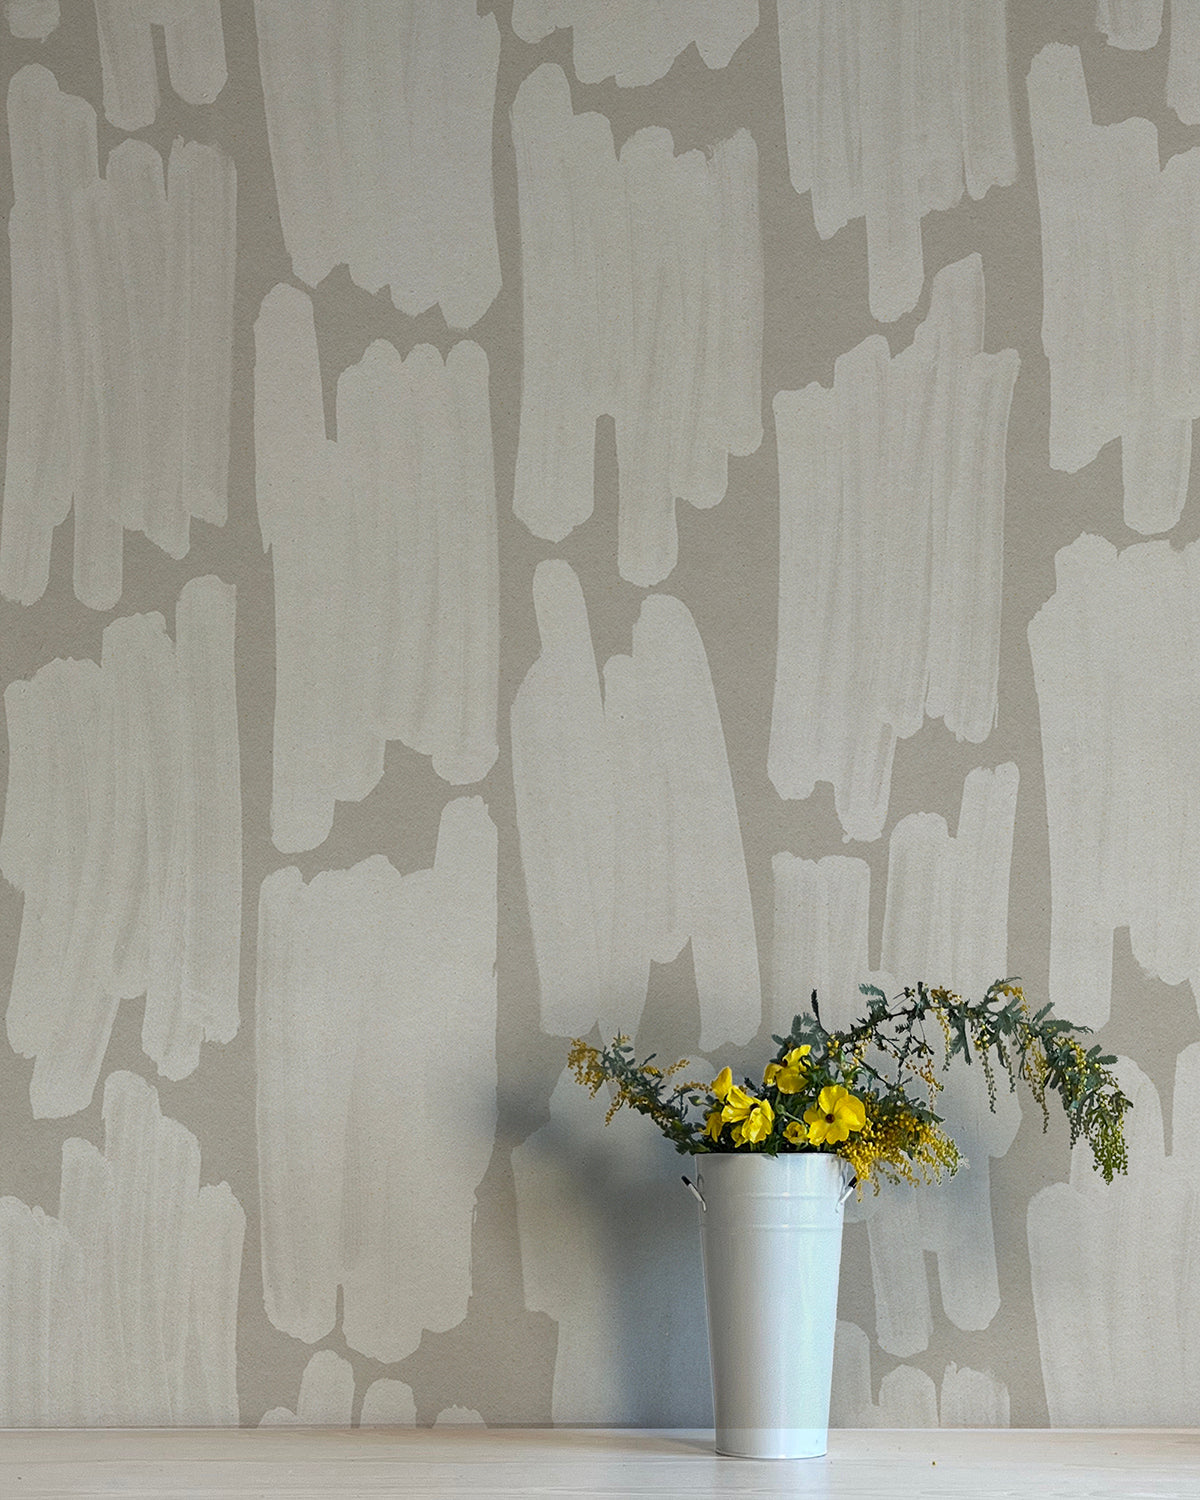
point(527, 516)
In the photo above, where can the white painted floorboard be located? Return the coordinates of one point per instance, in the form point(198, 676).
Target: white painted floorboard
point(337, 1464)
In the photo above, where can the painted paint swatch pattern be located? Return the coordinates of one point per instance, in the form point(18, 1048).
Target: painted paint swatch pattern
point(1136, 25)
point(891, 553)
point(195, 48)
point(1133, 25)
point(633, 42)
point(385, 560)
point(371, 984)
point(946, 917)
point(642, 278)
point(122, 827)
point(1183, 62)
point(908, 1396)
point(1114, 657)
point(1121, 264)
point(326, 1395)
point(326, 1399)
point(946, 920)
point(620, 1274)
point(122, 343)
point(379, 117)
point(32, 20)
point(628, 828)
point(122, 1310)
point(1115, 1288)
point(891, 111)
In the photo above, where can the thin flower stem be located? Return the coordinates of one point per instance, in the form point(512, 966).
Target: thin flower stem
point(821, 1091)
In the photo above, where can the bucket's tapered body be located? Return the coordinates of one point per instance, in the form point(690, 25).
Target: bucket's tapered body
point(771, 1236)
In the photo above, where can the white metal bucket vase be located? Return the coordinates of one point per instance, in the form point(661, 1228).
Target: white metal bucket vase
point(771, 1237)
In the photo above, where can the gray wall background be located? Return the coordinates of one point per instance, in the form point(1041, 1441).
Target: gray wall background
point(562, 513)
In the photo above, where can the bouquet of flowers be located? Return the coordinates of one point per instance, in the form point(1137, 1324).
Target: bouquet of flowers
point(868, 1093)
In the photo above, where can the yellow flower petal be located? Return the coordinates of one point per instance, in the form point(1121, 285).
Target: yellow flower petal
point(756, 1126)
point(854, 1112)
point(787, 1075)
point(738, 1103)
point(835, 1115)
point(759, 1123)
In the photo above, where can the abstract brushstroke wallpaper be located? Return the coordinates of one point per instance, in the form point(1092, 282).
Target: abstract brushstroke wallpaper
point(544, 515)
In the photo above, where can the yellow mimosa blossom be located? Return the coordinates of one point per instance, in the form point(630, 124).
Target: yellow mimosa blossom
point(788, 1074)
point(836, 1113)
point(756, 1126)
point(892, 1131)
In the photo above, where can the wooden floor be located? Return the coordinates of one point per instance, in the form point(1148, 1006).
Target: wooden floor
point(332, 1464)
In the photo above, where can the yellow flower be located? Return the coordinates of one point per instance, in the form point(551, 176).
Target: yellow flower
point(836, 1113)
point(713, 1124)
point(756, 1126)
point(738, 1104)
point(722, 1083)
point(788, 1074)
point(793, 1131)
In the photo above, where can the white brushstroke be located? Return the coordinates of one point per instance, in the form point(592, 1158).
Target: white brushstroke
point(31, 20)
point(822, 918)
point(388, 1403)
point(620, 1273)
point(195, 47)
point(629, 834)
point(891, 111)
point(326, 1395)
point(1137, 25)
point(947, 897)
point(1122, 282)
point(907, 1396)
point(379, 117)
point(642, 284)
point(1114, 658)
point(459, 1416)
point(1115, 1285)
point(636, 43)
point(1133, 25)
point(122, 827)
point(945, 921)
point(122, 1311)
point(891, 553)
point(370, 1151)
point(122, 343)
point(973, 1398)
point(1183, 61)
point(385, 561)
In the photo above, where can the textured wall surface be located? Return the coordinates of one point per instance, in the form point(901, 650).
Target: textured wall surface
point(528, 515)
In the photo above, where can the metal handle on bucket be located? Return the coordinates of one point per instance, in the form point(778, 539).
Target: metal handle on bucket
point(699, 1196)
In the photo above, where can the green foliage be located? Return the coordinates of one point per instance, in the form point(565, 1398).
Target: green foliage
point(642, 1086)
point(868, 1092)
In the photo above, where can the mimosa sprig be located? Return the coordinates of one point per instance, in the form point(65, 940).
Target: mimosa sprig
point(869, 1092)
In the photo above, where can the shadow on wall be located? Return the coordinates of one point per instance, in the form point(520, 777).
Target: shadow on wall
point(610, 1249)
